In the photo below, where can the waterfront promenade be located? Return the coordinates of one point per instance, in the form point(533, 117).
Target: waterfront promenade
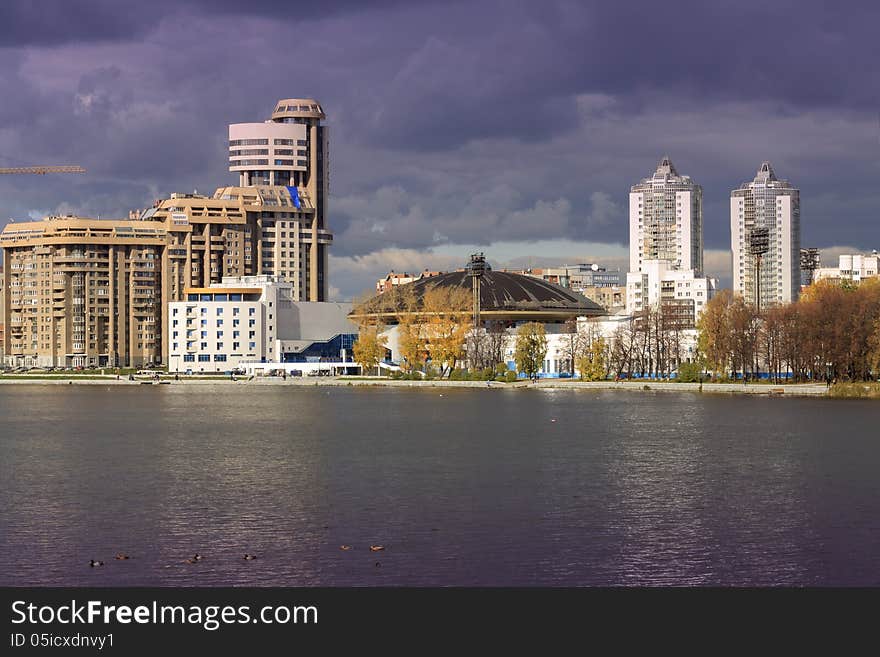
point(811, 389)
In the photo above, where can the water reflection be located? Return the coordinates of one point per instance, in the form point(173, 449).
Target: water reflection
point(464, 487)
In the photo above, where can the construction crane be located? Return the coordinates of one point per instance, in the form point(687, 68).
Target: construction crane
point(43, 170)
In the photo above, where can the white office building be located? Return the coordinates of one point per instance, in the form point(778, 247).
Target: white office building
point(772, 204)
point(255, 319)
point(666, 220)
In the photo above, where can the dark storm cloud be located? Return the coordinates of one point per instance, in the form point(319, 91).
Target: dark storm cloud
point(451, 123)
point(57, 22)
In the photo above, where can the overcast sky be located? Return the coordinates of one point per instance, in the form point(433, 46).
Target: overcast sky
point(512, 127)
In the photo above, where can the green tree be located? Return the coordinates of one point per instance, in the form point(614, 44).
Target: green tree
point(531, 348)
point(689, 372)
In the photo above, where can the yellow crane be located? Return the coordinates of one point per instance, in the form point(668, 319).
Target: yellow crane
point(42, 170)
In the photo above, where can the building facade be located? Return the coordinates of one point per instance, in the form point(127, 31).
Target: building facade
point(854, 267)
point(393, 279)
point(666, 220)
point(254, 319)
point(577, 277)
point(610, 298)
point(82, 292)
point(290, 151)
point(681, 294)
point(766, 209)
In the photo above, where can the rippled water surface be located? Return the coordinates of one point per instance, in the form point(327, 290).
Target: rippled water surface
point(462, 487)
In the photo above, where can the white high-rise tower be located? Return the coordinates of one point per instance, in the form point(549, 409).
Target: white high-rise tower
point(666, 247)
point(666, 220)
point(766, 203)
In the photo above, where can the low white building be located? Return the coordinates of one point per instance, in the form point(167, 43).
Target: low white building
point(851, 267)
point(254, 319)
point(660, 283)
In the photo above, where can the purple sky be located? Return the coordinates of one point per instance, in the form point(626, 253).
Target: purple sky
point(517, 127)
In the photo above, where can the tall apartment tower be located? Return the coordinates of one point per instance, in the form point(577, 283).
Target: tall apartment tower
point(666, 220)
point(289, 151)
point(766, 203)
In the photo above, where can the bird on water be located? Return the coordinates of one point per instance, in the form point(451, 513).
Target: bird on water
point(120, 556)
point(377, 548)
point(249, 557)
point(94, 563)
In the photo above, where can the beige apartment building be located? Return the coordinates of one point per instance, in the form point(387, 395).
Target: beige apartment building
point(82, 292)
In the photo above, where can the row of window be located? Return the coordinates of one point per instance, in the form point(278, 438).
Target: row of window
point(204, 334)
point(218, 311)
point(204, 346)
point(300, 108)
point(204, 322)
point(204, 358)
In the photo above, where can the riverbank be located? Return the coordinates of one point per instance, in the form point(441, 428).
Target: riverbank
point(794, 389)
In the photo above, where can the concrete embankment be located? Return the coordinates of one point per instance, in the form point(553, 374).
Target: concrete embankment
point(811, 389)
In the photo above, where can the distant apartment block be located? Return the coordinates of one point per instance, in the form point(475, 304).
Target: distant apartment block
point(393, 279)
point(577, 277)
point(611, 298)
point(811, 260)
point(851, 267)
point(678, 293)
point(766, 210)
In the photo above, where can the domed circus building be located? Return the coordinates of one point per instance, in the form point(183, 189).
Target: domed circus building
point(506, 300)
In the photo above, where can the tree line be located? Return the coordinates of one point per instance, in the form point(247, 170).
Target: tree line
point(831, 333)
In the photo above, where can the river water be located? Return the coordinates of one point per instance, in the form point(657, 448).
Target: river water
point(461, 486)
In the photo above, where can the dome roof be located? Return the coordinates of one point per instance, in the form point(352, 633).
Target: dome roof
point(503, 296)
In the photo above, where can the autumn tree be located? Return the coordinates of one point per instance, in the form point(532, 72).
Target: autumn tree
point(531, 348)
point(410, 339)
point(369, 350)
point(874, 350)
point(446, 316)
point(592, 361)
point(713, 327)
point(368, 313)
